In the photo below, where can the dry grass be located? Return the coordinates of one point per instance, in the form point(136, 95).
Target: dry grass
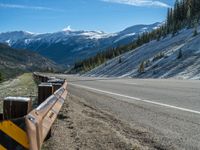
point(23, 85)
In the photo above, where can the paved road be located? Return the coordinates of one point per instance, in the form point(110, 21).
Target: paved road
point(182, 94)
point(170, 109)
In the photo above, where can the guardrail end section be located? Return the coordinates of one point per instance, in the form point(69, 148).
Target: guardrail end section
point(13, 135)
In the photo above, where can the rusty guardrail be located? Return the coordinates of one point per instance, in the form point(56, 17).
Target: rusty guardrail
point(30, 131)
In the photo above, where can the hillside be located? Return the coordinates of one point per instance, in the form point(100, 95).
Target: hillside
point(14, 62)
point(177, 56)
point(69, 46)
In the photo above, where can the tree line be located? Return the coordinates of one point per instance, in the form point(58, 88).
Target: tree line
point(184, 14)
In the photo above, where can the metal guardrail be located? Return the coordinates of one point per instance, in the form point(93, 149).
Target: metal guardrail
point(30, 131)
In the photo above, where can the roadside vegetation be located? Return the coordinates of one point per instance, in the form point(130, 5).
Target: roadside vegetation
point(184, 14)
point(23, 85)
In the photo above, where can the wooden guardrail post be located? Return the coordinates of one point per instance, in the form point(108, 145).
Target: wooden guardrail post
point(1, 116)
point(44, 79)
point(57, 83)
point(44, 91)
point(16, 107)
point(56, 86)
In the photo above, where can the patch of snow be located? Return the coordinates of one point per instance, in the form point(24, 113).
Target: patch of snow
point(17, 99)
point(27, 41)
point(29, 32)
point(144, 29)
point(155, 28)
point(123, 37)
point(8, 42)
point(94, 35)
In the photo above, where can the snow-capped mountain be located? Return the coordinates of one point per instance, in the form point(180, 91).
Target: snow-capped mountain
point(68, 46)
point(134, 31)
point(171, 57)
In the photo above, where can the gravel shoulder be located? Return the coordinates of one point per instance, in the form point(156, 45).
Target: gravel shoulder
point(82, 125)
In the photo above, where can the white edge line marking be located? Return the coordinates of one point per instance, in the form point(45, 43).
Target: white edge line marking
point(137, 99)
point(119, 82)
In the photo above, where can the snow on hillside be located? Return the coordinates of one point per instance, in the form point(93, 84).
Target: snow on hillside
point(166, 66)
point(12, 37)
point(95, 35)
point(26, 37)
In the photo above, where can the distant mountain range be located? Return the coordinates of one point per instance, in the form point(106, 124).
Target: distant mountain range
point(68, 46)
point(14, 62)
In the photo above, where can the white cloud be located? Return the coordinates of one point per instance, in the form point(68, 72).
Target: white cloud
point(5, 5)
point(146, 3)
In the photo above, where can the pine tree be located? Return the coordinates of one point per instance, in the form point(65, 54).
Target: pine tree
point(177, 11)
point(1, 78)
point(120, 60)
point(195, 32)
point(195, 28)
point(147, 63)
point(189, 7)
point(180, 54)
point(168, 17)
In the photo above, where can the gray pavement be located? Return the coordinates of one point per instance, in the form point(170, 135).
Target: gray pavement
point(168, 109)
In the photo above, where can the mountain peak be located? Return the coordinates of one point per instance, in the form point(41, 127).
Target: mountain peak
point(67, 29)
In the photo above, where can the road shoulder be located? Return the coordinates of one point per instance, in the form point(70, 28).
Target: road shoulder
point(81, 125)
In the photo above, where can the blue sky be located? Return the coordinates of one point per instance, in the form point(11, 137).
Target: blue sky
point(42, 16)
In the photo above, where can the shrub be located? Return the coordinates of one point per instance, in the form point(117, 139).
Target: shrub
point(147, 63)
point(1, 78)
point(120, 60)
point(158, 56)
point(141, 67)
point(180, 54)
point(195, 32)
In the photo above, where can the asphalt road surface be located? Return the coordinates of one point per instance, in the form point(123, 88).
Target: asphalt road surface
point(168, 109)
